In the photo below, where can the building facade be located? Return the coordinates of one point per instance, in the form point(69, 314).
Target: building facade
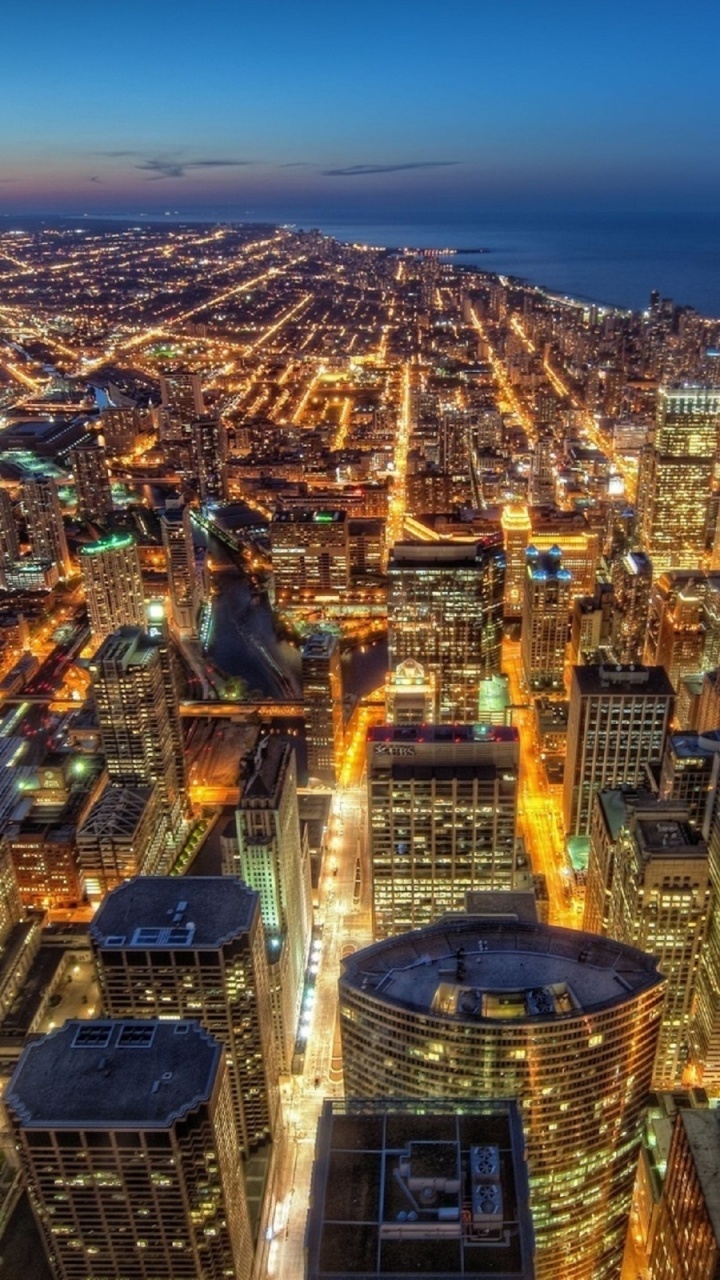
point(471, 1008)
point(323, 702)
point(445, 611)
point(125, 1136)
point(648, 884)
point(442, 815)
point(194, 948)
point(113, 584)
point(617, 724)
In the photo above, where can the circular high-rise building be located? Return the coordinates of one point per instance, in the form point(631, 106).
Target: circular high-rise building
point(565, 1022)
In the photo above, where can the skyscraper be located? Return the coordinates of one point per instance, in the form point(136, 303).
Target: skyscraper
point(124, 1132)
point(182, 575)
point(273, 861)
point(676, 624)
point(113, 584)
point(310, 554)
point(690, 773)
point(648, 884)
point(632, 582)
point(181, 394)
point(676, 477)
point(442, 812)
point(209, 449)
point(476, 1008)
point(46, 531)
point(516, 529)
point(410, 696)
point(545, 618)
point(134, 717)
point(9, 542)
point(323, 699)
point(686, 1244)
point(92, 481)
point(445, 610)
point(194, 948)
point(617, 724)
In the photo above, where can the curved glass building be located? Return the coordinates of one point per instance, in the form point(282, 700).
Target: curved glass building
point(561, 1020)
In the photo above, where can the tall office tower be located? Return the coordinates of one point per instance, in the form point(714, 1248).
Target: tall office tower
point(121, 430)
point(323, 700)
point(690, 772)
point(686, 1244)
point(676, 477)
point(477, 1008)
point(113, 584)
point(124, 1132)
point(676, 624)
point(159, 632)
point(209, 451)
point(135, 720)
point(445, 610)
point(46, 531)
point(542, 470)
point(591, 623)
point(545, 619)
point(11, 908)
point(442, 812)
point(181, 394)
point(516, 528)
point(708, 714)
point(310, 554)
point(194, 948)
point(116, 840)
point(632, 582)
point(401, 1188)
point(648, 884)
point(92, 481)
point(410, 695)
point(9, 541)
point(273, 861)
point(617, 724)
point(184, 589)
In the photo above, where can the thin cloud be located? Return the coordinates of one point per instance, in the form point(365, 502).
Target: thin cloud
point(114, 155)
point(158, 168)
point(362, 170)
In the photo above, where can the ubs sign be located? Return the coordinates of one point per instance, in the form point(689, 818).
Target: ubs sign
point(393, 749)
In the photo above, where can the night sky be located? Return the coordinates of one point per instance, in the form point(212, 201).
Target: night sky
point(251, 107)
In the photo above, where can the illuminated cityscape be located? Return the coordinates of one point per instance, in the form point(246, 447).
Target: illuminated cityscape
point(360, 745)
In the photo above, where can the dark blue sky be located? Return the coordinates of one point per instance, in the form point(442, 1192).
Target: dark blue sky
point(352, 108)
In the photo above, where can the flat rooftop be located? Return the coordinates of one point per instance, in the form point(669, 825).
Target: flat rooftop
point(633, 678)
point(392, 1183)
point(114, 1074)
point(475, 969)
point(171, 912)
point(443, 733)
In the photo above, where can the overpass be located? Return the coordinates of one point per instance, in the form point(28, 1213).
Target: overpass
point(244, 710)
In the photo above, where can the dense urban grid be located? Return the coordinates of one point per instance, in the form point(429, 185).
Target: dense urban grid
point(360, 745)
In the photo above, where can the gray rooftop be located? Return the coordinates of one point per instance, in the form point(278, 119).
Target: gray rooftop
point(171, 912)
point(114, 1074)
point(521, 970)
point(117, 814)
point(610, 678)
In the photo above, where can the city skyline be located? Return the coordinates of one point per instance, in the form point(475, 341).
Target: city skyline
point(252, 112)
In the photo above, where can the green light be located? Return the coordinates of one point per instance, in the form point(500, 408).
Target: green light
point(323, 517)
point(112, 543)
